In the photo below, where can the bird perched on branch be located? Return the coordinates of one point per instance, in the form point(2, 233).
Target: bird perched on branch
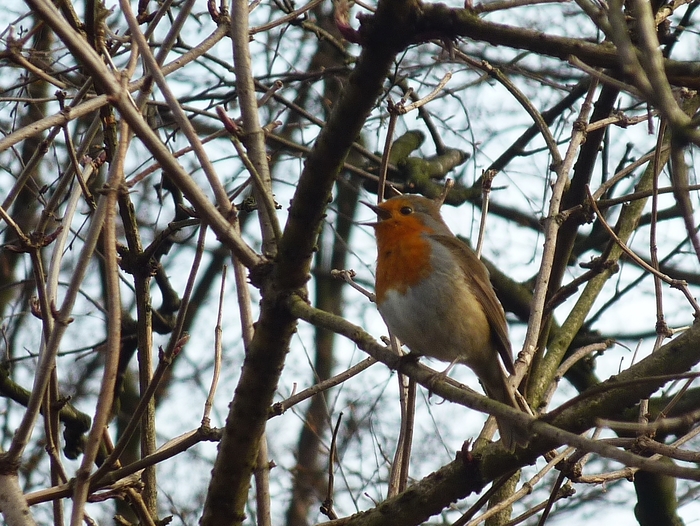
point(435, 296)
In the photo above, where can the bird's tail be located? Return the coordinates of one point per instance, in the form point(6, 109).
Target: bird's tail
point(499, 389)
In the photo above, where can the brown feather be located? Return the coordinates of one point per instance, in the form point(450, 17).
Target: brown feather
point(478, 276)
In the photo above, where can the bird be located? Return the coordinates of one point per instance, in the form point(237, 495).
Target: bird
point(435, 296)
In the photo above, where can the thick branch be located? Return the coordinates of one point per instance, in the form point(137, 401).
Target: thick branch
point(386, 34)
point(459, 478)
point(445, 22)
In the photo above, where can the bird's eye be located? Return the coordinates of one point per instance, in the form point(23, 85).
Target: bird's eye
point(406, 210)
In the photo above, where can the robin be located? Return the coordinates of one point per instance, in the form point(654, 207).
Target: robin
point(435, 296)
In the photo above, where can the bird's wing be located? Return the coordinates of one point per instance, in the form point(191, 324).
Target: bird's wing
point(477, 276)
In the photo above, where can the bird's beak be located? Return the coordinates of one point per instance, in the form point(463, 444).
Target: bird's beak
point(381, 213)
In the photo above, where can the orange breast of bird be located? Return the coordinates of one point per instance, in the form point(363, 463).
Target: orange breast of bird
point(422, 293)
point(403, 259)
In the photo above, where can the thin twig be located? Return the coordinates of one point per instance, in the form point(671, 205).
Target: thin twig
point(398, 474)
point(327, 505)
point(618, 119)
point(523, 100)
point(75, 163)
point(680, 183)
point(253, 135)
point(114, 308)
point(403, 109)
point(681, 285)
point(261, 474)
point(564, 493)
point(484, 498)
point(170, 449)
point(643, 194)
point(662, 331)
point(551, 230)
point(280, 407)
point(668, 451)
point(426, 116)
point(567, 364)
point(490, 7)
point(603, 78)
point(527, 488)
point(268, 201)
point(347, 276)
point(130, 183)
point(603, 387)
point(218, 331)
point(676, 398)
point(628, 472)
point(486, 181)
point(393, 117)
point(553, 494)
point(293, 15)
point(24, 64)
point(449, 185)
point(628, 170)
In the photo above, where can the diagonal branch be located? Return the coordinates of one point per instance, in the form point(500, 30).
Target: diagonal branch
point(464, 476)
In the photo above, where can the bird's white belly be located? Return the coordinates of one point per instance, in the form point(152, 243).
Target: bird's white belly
point(446, 323)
